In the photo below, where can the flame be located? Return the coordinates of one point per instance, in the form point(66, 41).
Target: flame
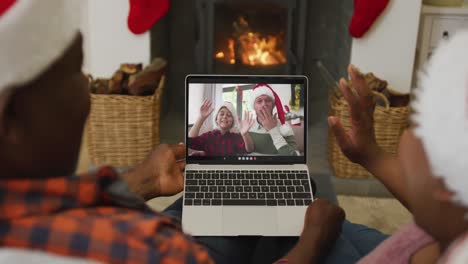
point(252, 48)
point(231, 52)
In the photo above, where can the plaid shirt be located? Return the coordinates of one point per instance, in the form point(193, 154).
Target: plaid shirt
point(84, 217)
point(213, 143)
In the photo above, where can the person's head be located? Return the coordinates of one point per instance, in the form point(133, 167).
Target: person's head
point(434, 153)
point(44, 98)
point(225, 118)
point(264, 102)
point(263, 98)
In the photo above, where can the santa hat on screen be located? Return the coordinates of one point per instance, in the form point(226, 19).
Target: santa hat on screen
point(265, 89)
point(441, 114)
point(34, 34)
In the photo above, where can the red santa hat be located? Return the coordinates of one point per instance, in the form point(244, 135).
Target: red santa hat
point(265, 89)
point(34, 34)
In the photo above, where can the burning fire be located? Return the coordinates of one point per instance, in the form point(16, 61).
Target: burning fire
point(251, 47)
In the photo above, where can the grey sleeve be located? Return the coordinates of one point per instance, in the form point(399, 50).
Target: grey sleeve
point(290, 149)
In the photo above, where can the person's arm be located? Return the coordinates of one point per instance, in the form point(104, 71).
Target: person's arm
point(388, 169)
point(195, 130)
point(359, 144)
point(249, 144)
point(244, 126)
point(199, 142)
point(270, 123)
point(205, 111)
point(286, 146)
point(290, 149)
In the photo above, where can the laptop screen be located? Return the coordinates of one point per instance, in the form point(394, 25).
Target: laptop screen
point(246, 119)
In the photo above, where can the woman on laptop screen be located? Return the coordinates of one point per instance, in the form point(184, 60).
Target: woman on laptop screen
point(222, 140)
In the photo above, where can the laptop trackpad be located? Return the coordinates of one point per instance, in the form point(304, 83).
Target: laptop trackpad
point(245, 220)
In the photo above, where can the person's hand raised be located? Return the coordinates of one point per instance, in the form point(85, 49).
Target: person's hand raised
point(358, 144)
point(206, 109)
point(246, 123)
point(267, 120)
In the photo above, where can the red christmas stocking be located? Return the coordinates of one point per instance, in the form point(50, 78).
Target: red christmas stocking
point(365, 13)
point(5, 5)
point(144, 13)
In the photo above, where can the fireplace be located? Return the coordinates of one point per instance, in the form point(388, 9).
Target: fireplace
point(193, 33)
point(250, 37)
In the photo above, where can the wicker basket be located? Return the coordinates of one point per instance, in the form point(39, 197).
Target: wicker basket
point(389, 124)
point(123, 129)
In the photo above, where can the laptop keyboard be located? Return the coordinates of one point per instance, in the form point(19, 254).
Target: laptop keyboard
point(247, 187)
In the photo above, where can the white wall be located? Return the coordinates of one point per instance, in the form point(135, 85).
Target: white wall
point(283, 91)
point(388, 49)
point(197, 91)
point(107, 40)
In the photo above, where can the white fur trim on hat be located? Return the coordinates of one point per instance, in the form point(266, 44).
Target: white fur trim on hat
point(262, 90)
point(286, 130)
point(231, 109)
point(457, 253)
point(441, 113)
point(34, 34)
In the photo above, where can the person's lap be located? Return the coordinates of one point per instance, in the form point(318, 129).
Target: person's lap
point(355, 242)
point(237, 249)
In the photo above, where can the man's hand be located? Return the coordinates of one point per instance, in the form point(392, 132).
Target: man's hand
point(160, 174)
point(246, 123)
point(267, 120)
point(322, 226)
point(358, 144)
point(206, 109)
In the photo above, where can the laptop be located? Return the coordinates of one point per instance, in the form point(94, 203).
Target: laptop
point(230, 191)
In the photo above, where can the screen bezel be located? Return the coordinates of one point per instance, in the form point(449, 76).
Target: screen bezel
point(270, 79)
